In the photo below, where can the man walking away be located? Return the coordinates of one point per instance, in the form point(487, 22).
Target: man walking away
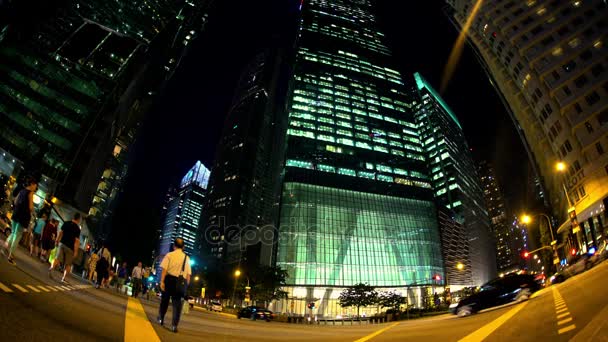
point(35, 245)
point(136, 276)
point(22, 215)
point(176, 267)
point(68, 242)
point(103, 267)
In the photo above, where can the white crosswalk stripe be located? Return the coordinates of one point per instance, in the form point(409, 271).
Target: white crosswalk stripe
point(5, 288)
point(43, 288)
point(19, 288)
point(32, 288)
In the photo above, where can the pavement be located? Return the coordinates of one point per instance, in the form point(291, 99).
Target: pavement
point(36, 308)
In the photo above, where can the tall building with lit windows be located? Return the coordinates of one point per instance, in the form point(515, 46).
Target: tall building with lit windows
point(454, 179)
point(182, 213)
point(357, 203)
point(548, 61)
point(77, 78)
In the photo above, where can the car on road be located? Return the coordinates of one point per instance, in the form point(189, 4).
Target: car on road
point(255, 313)
point(215, 306)
point(190, 300)
point(513, 287)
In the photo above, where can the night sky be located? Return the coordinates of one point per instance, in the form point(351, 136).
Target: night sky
point(186, 122)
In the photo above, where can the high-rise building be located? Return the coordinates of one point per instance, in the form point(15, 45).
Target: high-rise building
point(182, 213)
point(357, 204)
point(454, 178)
point(548, 61)
point(76, 79)
point(509, 241)
point(244, 188)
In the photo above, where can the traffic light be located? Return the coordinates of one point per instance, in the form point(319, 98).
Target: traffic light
point(311, 305)
point(526, 255)
point(88, 247)
point(573, 251)
point(437, 277)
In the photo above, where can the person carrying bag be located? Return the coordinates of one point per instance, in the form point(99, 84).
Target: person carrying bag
point(174, 282)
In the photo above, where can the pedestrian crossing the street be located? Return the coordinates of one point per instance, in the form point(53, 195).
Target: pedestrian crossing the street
point(29, 288)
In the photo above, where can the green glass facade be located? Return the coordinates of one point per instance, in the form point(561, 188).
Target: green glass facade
point(339, 237)
point(357, 204)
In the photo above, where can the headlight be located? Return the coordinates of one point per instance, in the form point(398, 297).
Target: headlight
point(453, 305)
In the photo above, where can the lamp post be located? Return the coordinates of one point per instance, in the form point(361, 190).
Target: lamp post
point(237, 274)
point(527, 219)
point(574, 227)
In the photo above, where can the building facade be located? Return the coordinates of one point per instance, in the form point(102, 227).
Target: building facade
point(510, 242)
point(454, 177)
point(357, 203)
point(182, 214)
point(242, 207)
point(548, 61)
point(76, 79)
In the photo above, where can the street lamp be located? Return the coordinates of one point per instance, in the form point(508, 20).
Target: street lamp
point(560, 166)
point(526, 219)
point(460, 266)
point(237, 273)
point(196, 278)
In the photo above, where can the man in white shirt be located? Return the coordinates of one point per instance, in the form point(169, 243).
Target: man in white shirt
point(174, 265)
point(136, 276)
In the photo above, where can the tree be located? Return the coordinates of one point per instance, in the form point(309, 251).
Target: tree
point(391, 299)
point(266, 283)
point(358, 295)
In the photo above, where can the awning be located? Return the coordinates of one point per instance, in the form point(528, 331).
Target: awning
point(592, 210)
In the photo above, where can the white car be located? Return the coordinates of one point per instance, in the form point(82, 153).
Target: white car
point(215, 306)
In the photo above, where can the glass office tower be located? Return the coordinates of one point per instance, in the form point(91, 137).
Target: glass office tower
point(356, 203)
point(454, 178)
point(183, 211)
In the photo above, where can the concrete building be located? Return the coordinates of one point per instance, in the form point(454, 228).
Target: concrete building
point(548, 62)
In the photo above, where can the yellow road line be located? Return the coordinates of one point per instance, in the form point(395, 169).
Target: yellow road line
point(59, 288)
point(65, 288)
point(557, 307)
point(486, 330)
point(49, 287)
point(564, 321)
point(43, 288)
point(33, 288)
point(5, 288)
point(19, 288)
point(137, 325)
point(372, 335)
point(566, 329)
point(561, 310)
point(563, 315)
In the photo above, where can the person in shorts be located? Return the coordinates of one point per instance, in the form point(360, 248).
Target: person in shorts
point(37, 234)
point(68, 242)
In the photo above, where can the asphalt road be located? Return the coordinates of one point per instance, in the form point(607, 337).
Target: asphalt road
point(35, 308)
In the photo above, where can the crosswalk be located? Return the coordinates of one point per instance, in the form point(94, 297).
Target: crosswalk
point(29, 288)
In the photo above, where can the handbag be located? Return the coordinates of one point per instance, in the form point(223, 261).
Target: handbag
point(181, 281)
point(52, 255)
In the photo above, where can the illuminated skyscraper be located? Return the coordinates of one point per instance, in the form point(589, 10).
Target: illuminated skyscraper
point(454, 178)
point(357, 202)
point(77, 78)
point(183, 212)
point(548, 61)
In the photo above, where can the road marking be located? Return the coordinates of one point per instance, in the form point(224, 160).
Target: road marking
point(562, 312)
point(566, 329)
point(372, 335)
point(65, 288)
point(33, 288)
point(50, 288)
point(5, 288)
point(43, 288)
point(59, 288)
point(19, 288)
point(485, 331)
point(137, 325)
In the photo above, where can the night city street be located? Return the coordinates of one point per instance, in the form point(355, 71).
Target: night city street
point(304, 170)
point(87, 314)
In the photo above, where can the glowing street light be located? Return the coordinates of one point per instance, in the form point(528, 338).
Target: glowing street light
point(526, 219)
point(196, 278)
point(560, 166)
point(237, 273)
point(460, 266)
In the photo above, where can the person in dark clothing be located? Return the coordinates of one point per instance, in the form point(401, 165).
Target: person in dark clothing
point(49, 233)
point(22, 215)
point(67, 242)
